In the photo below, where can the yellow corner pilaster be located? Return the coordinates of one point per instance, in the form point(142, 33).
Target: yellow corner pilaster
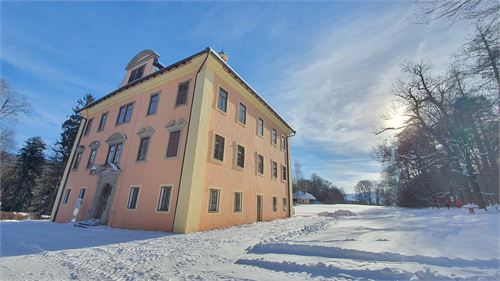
point(193, 176)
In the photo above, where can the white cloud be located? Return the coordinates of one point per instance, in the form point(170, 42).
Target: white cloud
point(335, 94)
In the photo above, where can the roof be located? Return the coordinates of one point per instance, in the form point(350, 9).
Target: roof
point(182, 62)
point(303, 195)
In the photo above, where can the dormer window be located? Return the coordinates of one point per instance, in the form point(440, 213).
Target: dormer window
point(136, 73)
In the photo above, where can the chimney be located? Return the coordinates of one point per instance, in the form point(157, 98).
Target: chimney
point(223, 55)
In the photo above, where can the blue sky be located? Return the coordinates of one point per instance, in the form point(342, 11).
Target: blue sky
point(327, 67)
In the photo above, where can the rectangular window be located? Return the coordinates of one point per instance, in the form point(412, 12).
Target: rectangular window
point(136, 74)
point(78, 158)
point(260, 164)
point(153, 104)
point(115, 153)
point(274, 137)
point(219, 148)
point(240, 157)
point(285, 204)
point(274, 170)
point(143, 149)
point(222, 100)
point(284, 172)
point(173, 143)
point(182, 93)
point(132, 198)
point(125, 113)
point(92, 156)
point(213, 202)
point(82, 193)
point(260, 127)
point(283, 143)
point(238, 202)
point(164, 200)
point(88, 128)
point(66, 196)
point(275, 203)
point(102, 122)
point(242, 115)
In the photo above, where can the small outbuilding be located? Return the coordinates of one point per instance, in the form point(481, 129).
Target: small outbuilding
point(301, 197)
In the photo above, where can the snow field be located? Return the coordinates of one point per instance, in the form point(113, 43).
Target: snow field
point(348, 242)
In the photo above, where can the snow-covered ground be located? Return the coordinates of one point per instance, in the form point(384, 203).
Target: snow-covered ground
point(378, 243)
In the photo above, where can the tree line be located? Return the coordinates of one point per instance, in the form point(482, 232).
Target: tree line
point(322, 189)
point(29, 179)
point(447, 149)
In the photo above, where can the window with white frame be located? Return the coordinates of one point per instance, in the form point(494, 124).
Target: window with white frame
point(164, 200)
point(132, 198)
point(260, 164)
point(218, 148)
point(114, 153)
point(125, 113)
point(82, 193)
point(284, 173)
point(88, 128)
point(136, 73)
point(182, 93)
point(274, 137)
point(173, 143)
point(274, 170)
point(283, 143)
point(78, 158)
point(92, 157)
point(242, 114)
point(240, 156)
point(102, 122)
point(260, 127)
point(66, 196)
point(275, 203)
point(153, 104)
point(222, 100)
point(238, 202)
point(213, 201)
point(143, 149)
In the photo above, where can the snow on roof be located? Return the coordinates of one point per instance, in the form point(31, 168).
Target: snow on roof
point(303, 195)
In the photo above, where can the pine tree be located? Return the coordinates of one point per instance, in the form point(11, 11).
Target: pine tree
point(63, 147)
point(18, 187)
point(47, 189)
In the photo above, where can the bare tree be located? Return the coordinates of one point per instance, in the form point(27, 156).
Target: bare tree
point(365, 191)
point(12, 106)
point(471, 10)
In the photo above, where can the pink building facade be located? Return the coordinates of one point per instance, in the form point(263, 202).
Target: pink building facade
point(182, 148)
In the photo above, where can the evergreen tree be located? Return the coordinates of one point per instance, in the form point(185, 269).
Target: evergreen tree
point(18, 187)
point(63, 147)
point(47, 190)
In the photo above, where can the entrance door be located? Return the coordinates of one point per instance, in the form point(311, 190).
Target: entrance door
point(259, 207)
point(103, 201)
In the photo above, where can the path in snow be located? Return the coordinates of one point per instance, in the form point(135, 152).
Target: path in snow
point(378, 243)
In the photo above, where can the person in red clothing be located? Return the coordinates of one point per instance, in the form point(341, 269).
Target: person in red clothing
point(458, 203)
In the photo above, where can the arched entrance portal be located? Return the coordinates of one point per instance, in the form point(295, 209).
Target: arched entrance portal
point(103, 202)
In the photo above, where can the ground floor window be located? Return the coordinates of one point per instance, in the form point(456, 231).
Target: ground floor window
point(132, 199)
point(66, 196)
point(238, 202)
point(275, 203)
point(285, 204)
point(164, 200)
point(213, 202)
